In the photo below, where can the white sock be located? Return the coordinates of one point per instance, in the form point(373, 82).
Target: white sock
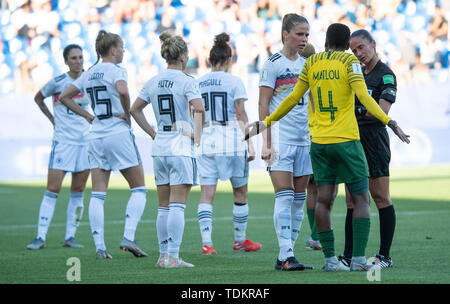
point(204, 213)
point(240, 217)
point(282, 221)
point(46, 213)
point(74, 213)
point(297, 215)
point(161, 229)
point(96, 219)
point(135, 208)
point(175, 227)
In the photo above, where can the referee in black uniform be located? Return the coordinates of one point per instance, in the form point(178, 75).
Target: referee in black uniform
point(382, 85)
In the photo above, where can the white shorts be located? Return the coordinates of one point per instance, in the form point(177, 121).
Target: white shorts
point(114, 152)
point(292, 158)
point(234, 168)
point(69, 158)
point(175, 170)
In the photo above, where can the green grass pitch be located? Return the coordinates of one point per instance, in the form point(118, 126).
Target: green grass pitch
point(421, 197)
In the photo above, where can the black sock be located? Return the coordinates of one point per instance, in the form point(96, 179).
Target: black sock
point(387, 228)
point(348, 234)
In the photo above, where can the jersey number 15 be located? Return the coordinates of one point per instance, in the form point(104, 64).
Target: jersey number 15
point(96, 101)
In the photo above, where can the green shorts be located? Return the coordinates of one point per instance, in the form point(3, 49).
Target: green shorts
point(339, 163)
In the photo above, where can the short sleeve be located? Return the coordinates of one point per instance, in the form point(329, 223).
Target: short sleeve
point(304, 74)
point(240, 92)
point(192, 91)
point(121, 74)
point(388, 87)
point(78, 83)
point(267, 75)
point(49, 88)
point(354, 70)
point(143, 94)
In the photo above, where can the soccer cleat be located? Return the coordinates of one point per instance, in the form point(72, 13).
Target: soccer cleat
point(162, 261)
point(346, 261)
point(208, 250)
point(291, 264)
point(37, 243)
point(102, 255)
point(278, 265)
point(313, 244)
point(382, 261)
point(247, 245)
point(70, 242)
point(173, 262)
point(333, 265)
point(131, 246)
point(360, 264)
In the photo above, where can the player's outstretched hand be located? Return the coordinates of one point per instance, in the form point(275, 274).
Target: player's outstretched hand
point(398, 131)
point(254, 129)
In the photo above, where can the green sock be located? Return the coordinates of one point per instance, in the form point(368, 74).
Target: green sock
point(326, 239)
point(361, 230)
point(312, 224)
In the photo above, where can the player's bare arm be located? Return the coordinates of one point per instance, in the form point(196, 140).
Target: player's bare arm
point(66, 99)
point(138, 115)
point(199, 119)
point(265, 96)
point(124, 95)
point(39, 99)
point(360, 90)
point(242, 119)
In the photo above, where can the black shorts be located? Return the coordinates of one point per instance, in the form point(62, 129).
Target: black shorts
point(375, 141)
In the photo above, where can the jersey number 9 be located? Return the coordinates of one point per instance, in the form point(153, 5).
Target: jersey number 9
point(167, 107)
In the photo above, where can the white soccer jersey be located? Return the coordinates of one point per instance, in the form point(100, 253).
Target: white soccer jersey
point(170, 93)
point(281, 75)
point(99, 84)
point(70, 128)
point(222, 134)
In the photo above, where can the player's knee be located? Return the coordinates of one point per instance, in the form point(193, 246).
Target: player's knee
point(382, 201)
point(240, 195)
point(77, 188)
point(54, 188)
point(359, 187)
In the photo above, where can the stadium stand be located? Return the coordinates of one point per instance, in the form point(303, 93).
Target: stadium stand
point(411, 35)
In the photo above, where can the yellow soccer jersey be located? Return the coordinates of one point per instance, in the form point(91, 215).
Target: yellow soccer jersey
point(311, 119)
point(333, 77)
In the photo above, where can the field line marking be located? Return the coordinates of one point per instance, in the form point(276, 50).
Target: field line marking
point(224, 218)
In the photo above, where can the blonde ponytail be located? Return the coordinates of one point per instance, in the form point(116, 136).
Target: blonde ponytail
point(172, 47)
point(104, 42)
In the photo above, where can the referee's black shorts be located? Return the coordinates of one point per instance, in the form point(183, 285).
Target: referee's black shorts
point(375, 141)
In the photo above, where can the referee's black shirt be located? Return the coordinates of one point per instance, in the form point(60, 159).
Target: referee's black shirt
point(381, 84)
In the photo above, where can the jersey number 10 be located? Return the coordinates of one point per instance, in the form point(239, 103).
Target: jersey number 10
point(209, 102)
